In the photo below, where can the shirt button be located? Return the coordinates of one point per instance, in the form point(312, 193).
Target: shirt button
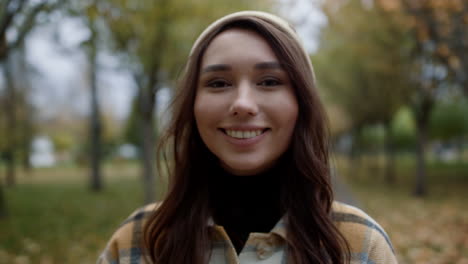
point(264, 250)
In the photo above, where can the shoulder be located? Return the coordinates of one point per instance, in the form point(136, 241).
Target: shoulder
point(368, 241)
point(125, 244)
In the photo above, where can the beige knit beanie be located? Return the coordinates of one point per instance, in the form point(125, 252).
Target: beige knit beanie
point(281, 23)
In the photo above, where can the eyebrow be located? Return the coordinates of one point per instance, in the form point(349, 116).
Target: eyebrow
point(258, 66)
point(268, 65)
point(217, 67)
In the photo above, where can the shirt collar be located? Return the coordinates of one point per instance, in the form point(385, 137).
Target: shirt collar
point(279, 229)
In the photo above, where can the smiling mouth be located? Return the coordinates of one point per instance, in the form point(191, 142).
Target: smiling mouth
point(243, 134)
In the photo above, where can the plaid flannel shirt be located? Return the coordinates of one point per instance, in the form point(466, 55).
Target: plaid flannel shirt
point(368, 241)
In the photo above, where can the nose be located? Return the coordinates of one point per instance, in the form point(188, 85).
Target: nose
point(244, 102)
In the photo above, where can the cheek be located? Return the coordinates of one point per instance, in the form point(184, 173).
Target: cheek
point(287, 116)
point(199, 111)
point(290, 126)
point(206, 112)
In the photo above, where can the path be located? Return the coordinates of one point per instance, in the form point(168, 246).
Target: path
point(342, 191)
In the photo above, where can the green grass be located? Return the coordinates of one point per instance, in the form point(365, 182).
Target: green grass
point(53, 221)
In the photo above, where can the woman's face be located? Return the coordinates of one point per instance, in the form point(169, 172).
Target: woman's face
point(245, 107)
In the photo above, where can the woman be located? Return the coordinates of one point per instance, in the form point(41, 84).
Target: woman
point(248, 161)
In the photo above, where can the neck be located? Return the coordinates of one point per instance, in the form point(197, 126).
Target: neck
point(246, 204)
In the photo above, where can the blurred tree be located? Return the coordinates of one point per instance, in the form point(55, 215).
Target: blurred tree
point(404, 130)
point(363, 67)
point(131, 133)
point(91, 12)
point(427, 41)
point(449, 123)
point(91, 45)
point(9, 109)
point(17, 19)
point(339, 120)
point(26, 113)
point(441, 26)
point(16, 124)
point(155, 37)
point(96, 155)
point(372, 138)
point(439, 30)
point(3, 208)
point(68, 132)
point(19, 114)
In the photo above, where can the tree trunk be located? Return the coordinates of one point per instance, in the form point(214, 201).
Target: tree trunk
point(26, 129)
point(26, 147)
point(422, 122)
point(420, 183)
point(3, 46)
point(147, 99)
point(389, 155)
point(95, 127)
point(147, 105)
point(3, 207)
point(10, 133)
point(10, 162)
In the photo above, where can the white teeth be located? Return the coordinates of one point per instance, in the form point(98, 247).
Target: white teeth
point(243, 134)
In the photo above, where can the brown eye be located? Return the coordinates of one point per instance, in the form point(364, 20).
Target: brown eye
point(218, 84)
point(269, 82)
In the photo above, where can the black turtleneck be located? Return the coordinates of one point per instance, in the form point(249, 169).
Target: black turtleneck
point(245, 204)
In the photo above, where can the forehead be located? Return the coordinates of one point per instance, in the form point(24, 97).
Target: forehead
point(235, 44)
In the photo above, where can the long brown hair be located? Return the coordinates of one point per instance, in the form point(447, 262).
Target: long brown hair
point(177, 231)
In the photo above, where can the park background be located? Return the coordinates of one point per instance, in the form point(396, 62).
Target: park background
point(84, 86)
